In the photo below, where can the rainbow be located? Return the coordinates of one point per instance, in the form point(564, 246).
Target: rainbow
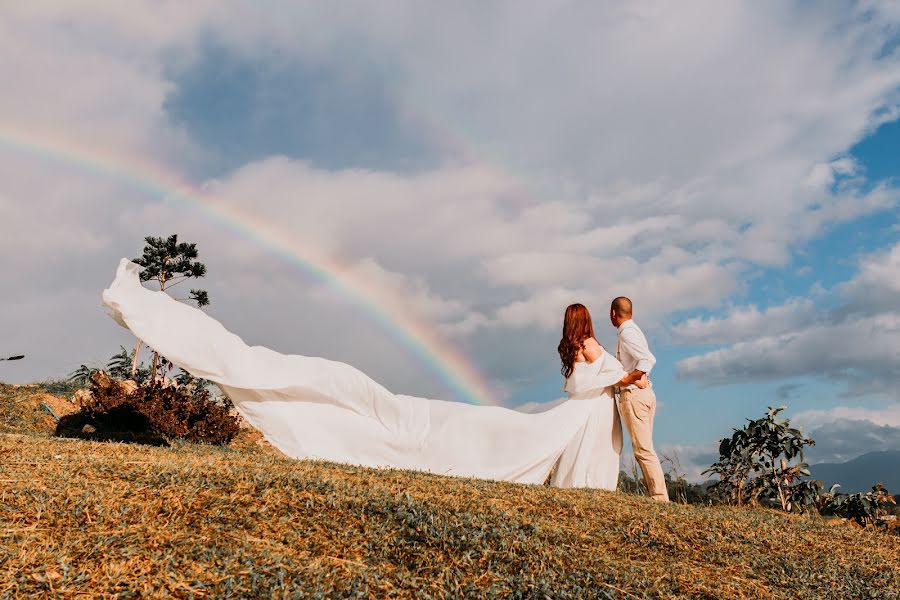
point(433, 351)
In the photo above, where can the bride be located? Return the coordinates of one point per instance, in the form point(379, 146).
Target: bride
point(313, 408)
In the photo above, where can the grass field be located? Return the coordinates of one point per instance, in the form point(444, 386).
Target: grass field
point(108, 519)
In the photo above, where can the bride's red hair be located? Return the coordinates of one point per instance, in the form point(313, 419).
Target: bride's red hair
point(577, 327)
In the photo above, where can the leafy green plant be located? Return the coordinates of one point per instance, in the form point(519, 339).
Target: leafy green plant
point(119, 365)
point(81, 376)
point(864, 508)
point(755, 465)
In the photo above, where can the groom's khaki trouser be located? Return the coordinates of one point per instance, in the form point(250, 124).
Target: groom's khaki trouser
point(637, 408)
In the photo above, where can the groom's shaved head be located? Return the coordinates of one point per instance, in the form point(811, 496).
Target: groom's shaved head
point(622, 306)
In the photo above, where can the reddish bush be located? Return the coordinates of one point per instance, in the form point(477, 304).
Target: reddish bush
point(153, 412)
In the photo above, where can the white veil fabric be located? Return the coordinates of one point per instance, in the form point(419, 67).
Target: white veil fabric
point(313, 408)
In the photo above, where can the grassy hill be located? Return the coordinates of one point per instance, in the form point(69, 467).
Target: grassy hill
point(193, 521)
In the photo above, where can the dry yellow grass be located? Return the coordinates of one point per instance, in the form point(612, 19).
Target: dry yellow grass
point(107, 519)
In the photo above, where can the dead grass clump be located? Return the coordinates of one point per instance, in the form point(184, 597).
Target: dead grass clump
point(29, 409)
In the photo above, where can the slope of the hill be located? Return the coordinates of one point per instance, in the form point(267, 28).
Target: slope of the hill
point(192, 521)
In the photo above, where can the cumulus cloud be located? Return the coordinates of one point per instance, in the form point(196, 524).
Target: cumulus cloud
point(885, 416)
point(840, 441)
point(824, 175)
point(861, 352)
point(743, 322)
point(844, 432)
point(94, 75)
point(413, 294)
point(581, 151)
point(857, 343)
point(876, 287)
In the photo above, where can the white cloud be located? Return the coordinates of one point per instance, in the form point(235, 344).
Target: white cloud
point(841, 433)
point(877, 285)
point(413, 294)
point(887, 415)
point(642, 140)
point(589, 150)
point(857, 343)
point(746, 322)
point(93, 73)
point(844, 432)
point(543, 309)
point(824, 175)
point(861, 352)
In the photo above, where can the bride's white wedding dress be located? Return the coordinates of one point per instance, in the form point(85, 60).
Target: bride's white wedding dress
point(321, 409)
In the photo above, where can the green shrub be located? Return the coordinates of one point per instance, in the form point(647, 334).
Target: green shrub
point(754, 466)
point(864, 508)
point(81, 377)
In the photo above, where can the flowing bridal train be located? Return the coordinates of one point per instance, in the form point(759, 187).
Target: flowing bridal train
point(315, 408)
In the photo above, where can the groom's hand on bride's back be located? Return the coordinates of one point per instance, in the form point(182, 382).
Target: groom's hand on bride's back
point(638, 378)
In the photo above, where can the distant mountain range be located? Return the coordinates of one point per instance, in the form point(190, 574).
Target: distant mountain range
point(861, 473)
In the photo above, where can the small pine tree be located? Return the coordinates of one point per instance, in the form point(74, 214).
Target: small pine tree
point(169, 262)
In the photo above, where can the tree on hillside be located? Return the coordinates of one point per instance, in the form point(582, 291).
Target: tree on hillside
point(169, 262)
point(755, 464)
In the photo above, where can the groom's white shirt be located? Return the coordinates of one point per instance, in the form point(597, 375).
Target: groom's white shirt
point(633, 351)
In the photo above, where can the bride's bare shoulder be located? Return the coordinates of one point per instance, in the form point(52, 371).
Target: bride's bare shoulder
point(592, 349)
point(592, 343)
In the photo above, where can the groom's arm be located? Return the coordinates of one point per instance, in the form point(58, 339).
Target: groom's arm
point(632, 377)
point(633, 342)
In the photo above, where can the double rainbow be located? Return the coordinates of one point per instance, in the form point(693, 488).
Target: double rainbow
point(431, 349)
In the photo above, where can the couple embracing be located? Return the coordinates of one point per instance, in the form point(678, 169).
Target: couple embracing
point(636, 398)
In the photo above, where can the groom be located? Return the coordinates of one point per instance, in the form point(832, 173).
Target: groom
point(637, 406)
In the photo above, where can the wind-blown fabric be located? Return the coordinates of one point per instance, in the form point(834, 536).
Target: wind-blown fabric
point(313, 408)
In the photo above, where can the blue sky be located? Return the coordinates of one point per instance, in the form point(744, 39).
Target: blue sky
point(336, 116)
point(735, 169)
